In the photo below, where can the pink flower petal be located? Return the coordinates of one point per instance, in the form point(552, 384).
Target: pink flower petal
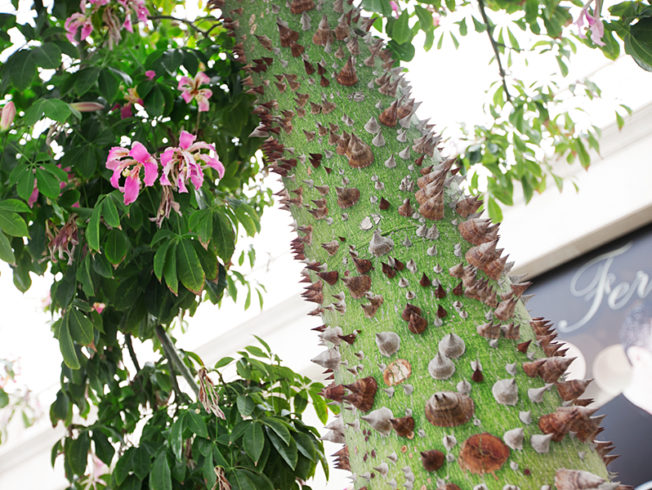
point(33, 196)
point(167, 156)
point(132, 188)
point(151, 172)
point(186, 139)
point(185, 83)
point(139, 152)
point(125, 111)
point(115, 178)
point(202, 78)
point(127, 24)
point(217, 165)
point(187, 97)
point(86, 30)
point(150, 74)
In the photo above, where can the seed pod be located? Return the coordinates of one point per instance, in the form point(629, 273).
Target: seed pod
point(404, 426)
point(505, 391)
point(514, 438)
point(449, 409)
point(483, 453)
point(380, 420)
point(452, 346)
point(388, 343)
point(441, 367)
point(363, 392)
point(397, 372)
point(432, 460)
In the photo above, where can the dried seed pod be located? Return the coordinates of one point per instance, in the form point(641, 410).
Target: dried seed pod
point(466, 207)
point(541, 442)
point(514, 438)
point(452, 346)
point(432, 460)
point(397, 372)
point(328, 359)
point(380, 420)
point(389, 117)
point(478, 231)
point(573, 389)
point(404, 426)
point(388, 343)
point(505, 391)
point(449, 409)
point(441, 367)
point(483, 453)
point(347, 75)
point(300, 6)
point(357, 285)
point(359, 153)
point(363, 392)
point(579, 480)
point(380, 245)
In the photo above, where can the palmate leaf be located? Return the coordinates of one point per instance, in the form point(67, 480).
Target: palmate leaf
point(189, 269)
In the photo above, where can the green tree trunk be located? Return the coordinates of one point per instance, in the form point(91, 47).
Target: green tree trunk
point(444, 379)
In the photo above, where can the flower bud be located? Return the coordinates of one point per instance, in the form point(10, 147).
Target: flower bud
point(87, 106)
point(7, 116)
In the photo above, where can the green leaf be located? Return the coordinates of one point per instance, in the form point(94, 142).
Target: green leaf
point(425, 18)
point(93, 228)
point(189, 268)
point(246, 405)
point(4, 398)
point(110, 213)
point(638, 43)
point(108, 84)
point(62, 333)
point(279, 428)
point(21, 67)
point(160, 477)
point(85, 79)
point(47, 183)
point(103, 448)
point(170, 269)
point(48, 55)
point(155, 102)
point(196, 423)
point(223, 236)
point(76, 451)
point(116, 246)
point(6, 252)
point(223, 362)
point(80, 326)
point(320, 406)
point(401, 28)
point(201, 222)
point(159, 259)
point(254, 441)
point(494, 210)
point(175, 436)
point(12, 224)
point(287, 451)
point(14, 205)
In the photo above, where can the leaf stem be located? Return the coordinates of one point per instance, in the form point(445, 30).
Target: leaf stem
point(132, 353)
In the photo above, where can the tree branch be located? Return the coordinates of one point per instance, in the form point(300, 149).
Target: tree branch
point(172, 355)
point(494, 45)
point(132, 353)
point(189, 23)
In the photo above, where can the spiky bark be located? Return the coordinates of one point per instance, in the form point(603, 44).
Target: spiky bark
point(445, 381)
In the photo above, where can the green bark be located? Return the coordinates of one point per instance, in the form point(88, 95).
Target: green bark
point(339, 201)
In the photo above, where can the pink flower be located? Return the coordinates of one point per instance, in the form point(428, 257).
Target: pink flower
point(394, 6)
point(77, 20)
point(595, 24)
point(190, 90)
point(33, 197)
point(87, 106)
point(127, 163)
point(7, 116)
point(136, 6)
point(150, 74)
point(184, 162)
point(132, 98)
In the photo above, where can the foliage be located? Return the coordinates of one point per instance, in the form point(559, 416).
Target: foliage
point(529, 122)
point(15, 398)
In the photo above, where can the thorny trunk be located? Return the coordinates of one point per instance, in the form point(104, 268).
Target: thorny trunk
point(444, 379)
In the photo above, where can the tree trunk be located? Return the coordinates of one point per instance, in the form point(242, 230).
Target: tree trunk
point(444, 380)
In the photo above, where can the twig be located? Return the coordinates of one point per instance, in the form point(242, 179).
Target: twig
point(173, 357)
point(132, 353)
point(494, 45)
point(189, 23)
